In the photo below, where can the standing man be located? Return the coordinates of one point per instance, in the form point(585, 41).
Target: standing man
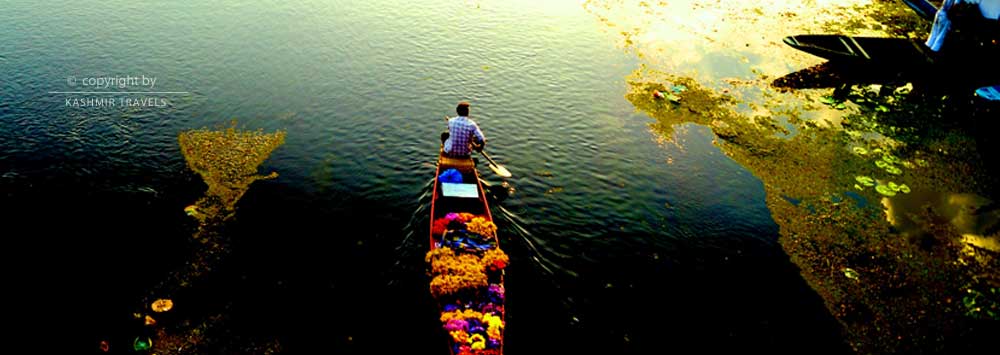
point(463, 134)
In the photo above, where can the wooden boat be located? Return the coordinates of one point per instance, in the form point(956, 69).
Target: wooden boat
point(480, 330)
point(871, 58)
point(861, 50)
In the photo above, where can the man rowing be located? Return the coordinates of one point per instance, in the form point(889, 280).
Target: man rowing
point(463, 134)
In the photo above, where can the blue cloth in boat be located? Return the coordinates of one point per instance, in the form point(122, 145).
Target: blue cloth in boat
point(451, 175)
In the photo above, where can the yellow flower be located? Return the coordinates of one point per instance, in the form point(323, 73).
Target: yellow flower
point(495, 258)
point(494, 325)
point(480, 225)
point(477, 340)
point(460, 336)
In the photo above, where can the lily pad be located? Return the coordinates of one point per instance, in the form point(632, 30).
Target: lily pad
point(828, 100)
point(885, 190)
point(673, 98)
point(893, 186)
point(678, 88)
point(860, 150)
point(864, 180)
point(893, 170)
point(881, 164)
point(881, 108)
point(904, 189)
point(840, 106)
point(891, 159)
point(850, 273)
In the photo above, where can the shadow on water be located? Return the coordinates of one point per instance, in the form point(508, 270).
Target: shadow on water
point(636, 294)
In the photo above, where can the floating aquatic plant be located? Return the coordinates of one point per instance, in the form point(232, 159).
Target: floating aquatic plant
point(982, 304)
point(864, 180)
point(885, 190)
point(140, 344)
point(227, 160)
point(850, 273)
point(860, 150)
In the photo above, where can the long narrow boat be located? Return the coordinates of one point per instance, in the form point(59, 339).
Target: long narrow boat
point(466, 261)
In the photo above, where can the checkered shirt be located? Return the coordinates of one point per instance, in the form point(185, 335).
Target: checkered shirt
point(462, 130)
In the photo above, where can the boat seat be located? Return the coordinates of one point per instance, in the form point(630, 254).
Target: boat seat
point(461, 164)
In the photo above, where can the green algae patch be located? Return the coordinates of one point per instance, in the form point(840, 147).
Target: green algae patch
point(227, 160)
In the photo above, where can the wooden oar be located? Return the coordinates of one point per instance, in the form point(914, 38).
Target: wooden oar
point(497, 168)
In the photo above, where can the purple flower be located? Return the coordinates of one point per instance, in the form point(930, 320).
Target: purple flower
point(492, 343)
point(474, 323)
point(496, 293)
point(450, 307)
point(492, 308)
point(456, 324)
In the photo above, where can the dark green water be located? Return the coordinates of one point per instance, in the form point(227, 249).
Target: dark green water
point(613, 248)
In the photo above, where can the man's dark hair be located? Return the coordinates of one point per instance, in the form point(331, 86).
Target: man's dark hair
point(462, 109)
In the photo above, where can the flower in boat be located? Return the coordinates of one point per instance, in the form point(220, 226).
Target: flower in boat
point(457, 265)
point(495, 259)
point(496, 293)
point(438, 253)
point(477, 342)
point(494, 326)
point(451, 284)
point(460, 336)
point(456, 324)
point(466, 315)
point(481, 226)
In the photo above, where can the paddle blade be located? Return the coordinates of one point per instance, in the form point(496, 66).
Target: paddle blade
point(500, 170)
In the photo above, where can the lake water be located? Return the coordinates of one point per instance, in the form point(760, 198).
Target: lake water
point(619, 242)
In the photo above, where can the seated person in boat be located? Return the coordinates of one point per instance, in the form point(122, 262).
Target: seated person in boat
point(967, 25)
point(463, 134)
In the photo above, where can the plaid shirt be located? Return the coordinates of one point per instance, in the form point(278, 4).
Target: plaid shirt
point(462, 130)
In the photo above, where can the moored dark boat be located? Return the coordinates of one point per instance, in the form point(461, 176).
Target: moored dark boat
point(887, 51)
point(465, 260)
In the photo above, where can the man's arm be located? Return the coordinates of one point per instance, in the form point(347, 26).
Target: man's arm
point(479, 134)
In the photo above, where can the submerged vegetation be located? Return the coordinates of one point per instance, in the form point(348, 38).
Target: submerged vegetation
point(880, 191)
point(895, 284)
point(227, 159)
